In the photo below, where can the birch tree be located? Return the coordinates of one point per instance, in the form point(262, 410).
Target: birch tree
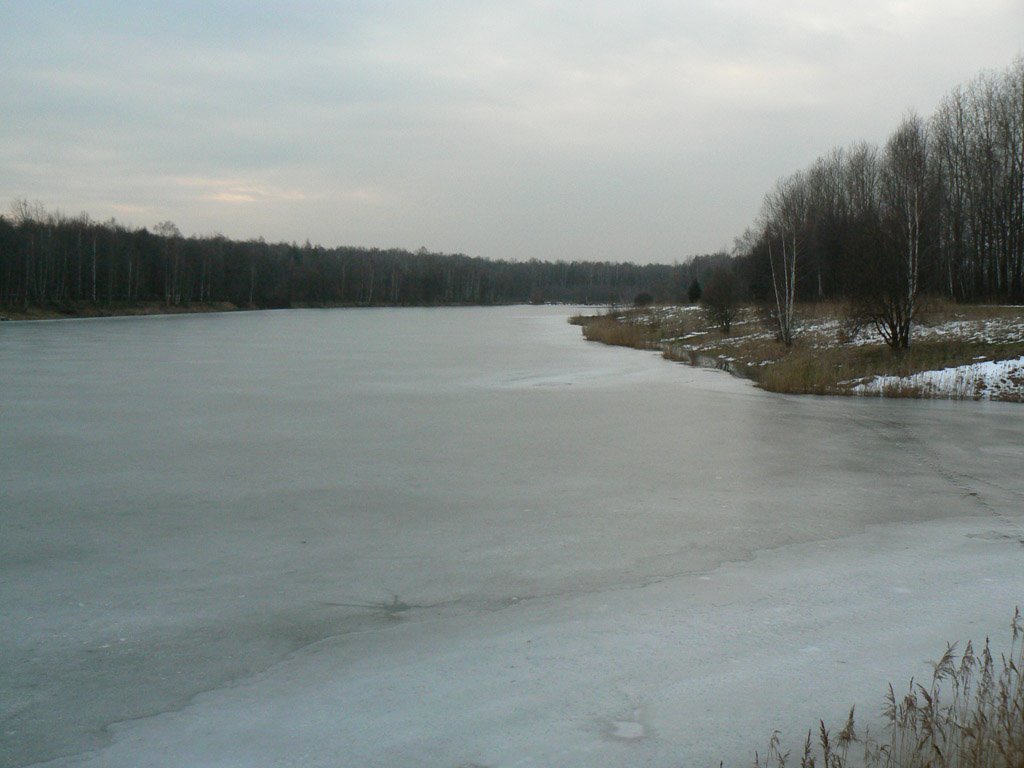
point(785, 219)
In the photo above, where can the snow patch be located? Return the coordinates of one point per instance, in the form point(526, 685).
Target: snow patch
point(978, 381)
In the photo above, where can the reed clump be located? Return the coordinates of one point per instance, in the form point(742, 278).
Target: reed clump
point(970, 715)
point(620, 334)
point(640, 328)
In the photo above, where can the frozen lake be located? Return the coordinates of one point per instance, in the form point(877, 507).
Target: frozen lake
point(460, 537)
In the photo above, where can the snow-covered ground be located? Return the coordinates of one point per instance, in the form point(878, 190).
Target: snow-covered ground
point(981, 380)
point(984, 380)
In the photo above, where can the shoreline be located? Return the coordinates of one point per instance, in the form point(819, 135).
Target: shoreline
point(85, 312)
point(145, 309)
point(958, 352)
point(969, 352)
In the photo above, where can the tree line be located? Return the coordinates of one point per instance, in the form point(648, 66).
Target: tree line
point(937, 210)
point(51, 260)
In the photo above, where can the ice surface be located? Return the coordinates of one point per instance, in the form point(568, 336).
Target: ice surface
point(465, 537)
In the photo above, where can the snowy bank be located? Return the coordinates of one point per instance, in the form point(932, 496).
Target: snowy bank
point(966, 353)
point(984, 380)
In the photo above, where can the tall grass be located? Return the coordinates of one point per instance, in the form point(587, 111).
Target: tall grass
point(970, 715)
point(641, 328)
point(608, 330)
point(833, 371)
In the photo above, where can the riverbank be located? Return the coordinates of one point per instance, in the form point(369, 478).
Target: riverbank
point(136, 309)
point(86, 309)
point(957, 352)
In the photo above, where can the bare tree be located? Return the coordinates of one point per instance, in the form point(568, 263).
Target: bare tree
point(978, 152)
point(893, 238)
point(171, 235)
point(785, 218)
point(827, 213)
point(950, 156)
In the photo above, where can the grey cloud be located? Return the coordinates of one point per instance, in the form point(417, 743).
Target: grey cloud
point(543, 129)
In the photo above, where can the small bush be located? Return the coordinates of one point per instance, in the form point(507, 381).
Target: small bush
point(643, 300)
point(719, 299)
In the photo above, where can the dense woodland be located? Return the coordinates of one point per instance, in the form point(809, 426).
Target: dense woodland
point(51, 260)
point(938, 210)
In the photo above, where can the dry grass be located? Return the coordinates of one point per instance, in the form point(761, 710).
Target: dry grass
point(970, 715)
point(620, 334)
point(934, 311)
point(811, 369)
point(638, 328)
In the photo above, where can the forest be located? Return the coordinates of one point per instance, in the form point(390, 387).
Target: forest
point(937, 210)
point(51, 260)
point(947, 191)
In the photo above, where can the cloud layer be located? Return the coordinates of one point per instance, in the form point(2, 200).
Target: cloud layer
point(645, 132)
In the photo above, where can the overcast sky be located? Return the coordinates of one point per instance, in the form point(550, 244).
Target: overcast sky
point(640, 131)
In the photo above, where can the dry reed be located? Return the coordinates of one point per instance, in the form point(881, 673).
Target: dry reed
point(970, 715)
